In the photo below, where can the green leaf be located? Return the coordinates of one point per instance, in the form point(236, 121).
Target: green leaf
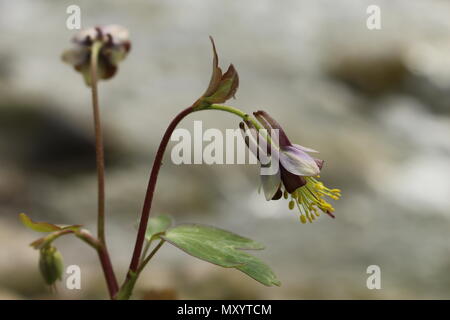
point(37, 226)
point(45, 226)
point(222, 248)
point(157, 225)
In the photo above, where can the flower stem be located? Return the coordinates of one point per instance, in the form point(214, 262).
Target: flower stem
point(235, 111)
point(245, 117)
point(149, 257)
point(82, 234)
point(155, 171)
point(99, 150)
point(105, 260)
point(126, 290)
point(146, 248)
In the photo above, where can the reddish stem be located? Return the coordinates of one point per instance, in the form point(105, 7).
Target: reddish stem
point(105, 260)
point(108, 271)
point(151, 189)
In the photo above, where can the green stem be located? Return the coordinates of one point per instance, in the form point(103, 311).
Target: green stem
point(150, 256)
point(99, 150)
point(146, 248)
point(102, 250)
point(245, 117)
point(127, 289)
point(235, 111)
point(81, 234)
point(44, 241)
point(86, 237)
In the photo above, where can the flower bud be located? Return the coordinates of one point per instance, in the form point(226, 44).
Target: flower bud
point(51, 264)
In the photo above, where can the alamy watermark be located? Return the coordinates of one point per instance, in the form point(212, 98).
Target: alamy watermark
point(73, 280)
point(211, 146)
point(374, 280)
point(373, 21)
point(73, 21)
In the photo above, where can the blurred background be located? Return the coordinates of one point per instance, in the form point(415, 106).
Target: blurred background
point(374, 103)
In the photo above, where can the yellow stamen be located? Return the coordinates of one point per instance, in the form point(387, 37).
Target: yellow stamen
point(310, 199)
point(303, 219)
point(291, 204)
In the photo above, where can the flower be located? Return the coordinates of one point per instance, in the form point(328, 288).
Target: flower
point(222, 86)
point(115, 45)
point(297, 177)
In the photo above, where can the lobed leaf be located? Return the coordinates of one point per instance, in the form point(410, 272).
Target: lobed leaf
point(38, 226)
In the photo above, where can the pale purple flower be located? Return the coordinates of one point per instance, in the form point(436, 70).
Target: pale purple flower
point(297, 174)
point(115, 47)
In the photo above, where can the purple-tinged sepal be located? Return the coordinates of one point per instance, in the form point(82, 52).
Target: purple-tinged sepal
point(115, 45)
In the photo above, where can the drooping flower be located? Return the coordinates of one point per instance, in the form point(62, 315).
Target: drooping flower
point(297, 177)
point(115, 47)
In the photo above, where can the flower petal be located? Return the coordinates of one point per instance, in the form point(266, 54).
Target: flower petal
point(319, 163)
point(291, 181)
point(278, 194)
point(84, 36)
point(115, 54)
point(306, 149)
point(119, 35)
point(257, 143)
point(271, 184)
point(250, 137)
point(269, 123)
point(106, 69)
point(298, 162)
point(76, 56)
